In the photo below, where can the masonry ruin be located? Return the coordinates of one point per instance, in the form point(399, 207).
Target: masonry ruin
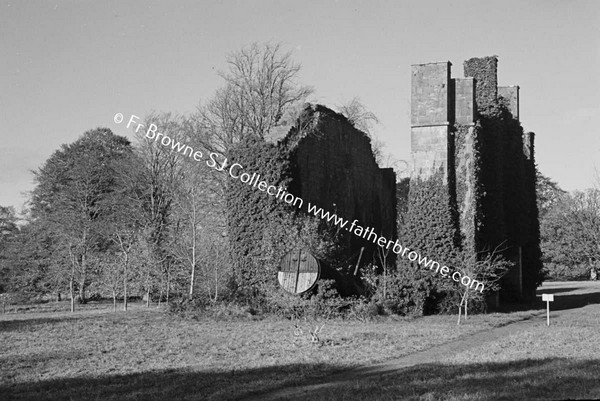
point(468, 129)
point(323, 159)
point(472, 188)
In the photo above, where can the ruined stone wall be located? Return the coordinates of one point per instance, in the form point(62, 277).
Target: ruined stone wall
point(484, 70)
point(510, 98)
point(487, 164)
point(430, 118)
point(323, 160)
point(505, 217)
point(334, 168)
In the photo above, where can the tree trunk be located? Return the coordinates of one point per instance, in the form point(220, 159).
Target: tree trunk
point(82, 292)
point(168, 285)
point(72, 292)
point(148, 287)
point(216, 283)
point(463, 299)
point(384, 281)
point(83, 266)
point(82, 280)
point(216, 267)
point(72, 279)
point(160, 296)
point(193, 273)
point(114, 301)
point(125, 281)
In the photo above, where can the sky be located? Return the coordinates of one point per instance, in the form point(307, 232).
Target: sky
point(70, 66)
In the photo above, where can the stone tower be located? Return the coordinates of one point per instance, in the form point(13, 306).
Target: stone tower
point(468, 128)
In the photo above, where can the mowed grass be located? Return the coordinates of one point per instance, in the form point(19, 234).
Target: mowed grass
point(148, 354)
point(558, 362)
point(541, 363)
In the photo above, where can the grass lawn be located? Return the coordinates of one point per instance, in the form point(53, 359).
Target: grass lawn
point(542, 363)
point(146, 354)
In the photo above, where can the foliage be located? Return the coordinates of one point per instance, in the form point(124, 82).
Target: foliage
point(34, 262)
point(402, 190)
point(431, 229)
point(391, 293)
point(570, 239)
point(9, 232)
point(548, 193)
point(70, 200)
point(250, 211)
point(508, 193)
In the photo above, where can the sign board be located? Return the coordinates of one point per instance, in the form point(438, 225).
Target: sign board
point(548, 297)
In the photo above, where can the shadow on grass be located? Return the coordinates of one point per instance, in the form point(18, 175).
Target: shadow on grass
point(571, 301)
point(552, 378)
point(176, 384)
point(588, 295)
point(540, 291)
point(22, 323)
point(547, 379)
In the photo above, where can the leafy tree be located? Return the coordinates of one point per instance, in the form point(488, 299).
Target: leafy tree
point(585, 215)
point(548, 193)
point(570, 234)
point(68, 200)
point(8, 232)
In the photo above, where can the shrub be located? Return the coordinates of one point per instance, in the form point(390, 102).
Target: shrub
point(568, 273)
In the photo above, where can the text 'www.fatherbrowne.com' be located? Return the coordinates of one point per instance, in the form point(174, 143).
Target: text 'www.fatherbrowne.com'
point(220, 163)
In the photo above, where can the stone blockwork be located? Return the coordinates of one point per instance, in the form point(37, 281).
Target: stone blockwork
point(333, 167)
point(430, 117)
point(487, 160)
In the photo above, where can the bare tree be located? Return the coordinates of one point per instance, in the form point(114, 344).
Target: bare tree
point(359, 116)
point(365, 120)
point(488, 268)
point(162, 173)
point(260, 85)
point(111, 272)
point(192, 207)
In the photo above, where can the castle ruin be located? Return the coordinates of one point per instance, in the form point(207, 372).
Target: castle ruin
point(472, 189)
point(467, 130)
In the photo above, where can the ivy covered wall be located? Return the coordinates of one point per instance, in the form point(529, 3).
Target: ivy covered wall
point(325, 161)
point(482, 195)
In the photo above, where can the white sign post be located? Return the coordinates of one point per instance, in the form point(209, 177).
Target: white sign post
point(548, 298)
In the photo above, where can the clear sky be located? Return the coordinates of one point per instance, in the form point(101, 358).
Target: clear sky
point(69, 66)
